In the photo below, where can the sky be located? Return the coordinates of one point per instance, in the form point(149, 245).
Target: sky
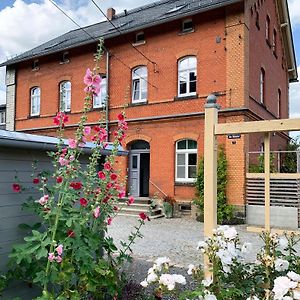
point(25, 24)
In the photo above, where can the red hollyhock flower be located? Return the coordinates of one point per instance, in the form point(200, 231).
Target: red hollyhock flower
point(16, 188)
point(109, 220)
point(83, 202)
point(101, 175)
point(36, 181)
point(107, 166)
point(121, 117)
point(76, 185)
point(113, 176)
point(59, 179)
point(71, 233)
point(143, 216)
point(116, 208)
point(130, 200)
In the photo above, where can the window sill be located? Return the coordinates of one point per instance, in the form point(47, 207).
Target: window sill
point(184, 32)
point(138, 43)
point(138, 103)
point(100, 108)
point(33, 117)
point(182, 183)
point(64, 62)
point(188, 97)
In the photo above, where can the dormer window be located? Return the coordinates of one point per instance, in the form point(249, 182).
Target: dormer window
point(65, 58)
point(140, 37)
point(187, 25)
point(35, 65)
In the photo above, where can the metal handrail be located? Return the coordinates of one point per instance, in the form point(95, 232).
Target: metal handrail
point(158, 188)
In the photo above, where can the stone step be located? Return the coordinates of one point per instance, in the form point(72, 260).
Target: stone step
point(144, 207)
point(135, 216)
point(140, 200)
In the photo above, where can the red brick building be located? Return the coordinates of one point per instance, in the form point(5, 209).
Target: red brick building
point(162, 61)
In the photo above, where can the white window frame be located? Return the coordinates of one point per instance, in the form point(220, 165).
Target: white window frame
point(2, 117)
point(35, 101)
point(186, 153)
point(65, 106)
point(99, 101)
point(186, 72)
point(262, 86)
point(142, 81)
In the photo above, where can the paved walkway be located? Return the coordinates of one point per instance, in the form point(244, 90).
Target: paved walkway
point(175, 238)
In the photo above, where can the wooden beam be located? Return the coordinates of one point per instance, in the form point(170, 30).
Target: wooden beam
point(273, 230)
point(258, 126)
point(267, 159)
point(274, 175)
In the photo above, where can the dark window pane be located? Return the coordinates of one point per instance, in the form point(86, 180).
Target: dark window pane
point(192, 144)
point(193, 76)
point(192, 87)
point(192, 159)
point(181, 144)
point(192, 172)
point(134, 162)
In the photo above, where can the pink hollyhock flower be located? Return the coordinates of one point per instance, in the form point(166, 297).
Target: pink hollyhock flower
point(59, 179)
point(121, 117)
point(43, 200)
point(130, 200)
point(16, 188)
point(143, 216)
point(72, 143)
point(101, 175)
point(72, 157)
point(76, 185)
point(36, 180)
point(63, 161)
point(107, 166)
point(96, 212)
point(113, 176)
point(59, 249)
point(87, 130)
point(88, 77)
point(58, 259)
point(64, 151)
point(83, 202)
point(109, 220)
point(51, 256)
point(122, 194)
point(109, 185)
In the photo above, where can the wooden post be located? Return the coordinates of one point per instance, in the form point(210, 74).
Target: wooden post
point(267, 182)
point(210, 166)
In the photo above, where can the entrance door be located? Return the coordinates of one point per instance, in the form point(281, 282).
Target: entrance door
point(134, 175)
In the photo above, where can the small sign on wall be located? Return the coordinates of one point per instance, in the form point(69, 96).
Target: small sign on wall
point(234, 136)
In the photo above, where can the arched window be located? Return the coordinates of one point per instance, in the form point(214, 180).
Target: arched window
point(262, 86)
point(186, 160)
point(139, 84)
point(65, 96)
point(35, 100)
point(101, 98)
point(187, 76)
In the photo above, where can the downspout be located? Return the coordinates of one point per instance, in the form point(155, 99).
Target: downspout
point(107, 95)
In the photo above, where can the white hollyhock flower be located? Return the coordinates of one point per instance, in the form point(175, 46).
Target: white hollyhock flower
point(294, 276)
point(144, 283)
point(207, 282)
point(162, 260)
point(246, 248)
point(281, 265)
point(179, 279)
point(283, 243)
point(282, 285)
point(224, 256)
point(168, 281)
point(152, 277)
point(230, 233)
point(191, 269)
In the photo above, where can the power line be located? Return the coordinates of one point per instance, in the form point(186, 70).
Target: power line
point(93, 38)
point(118, 29)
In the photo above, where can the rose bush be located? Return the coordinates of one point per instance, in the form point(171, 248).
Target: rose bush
point(274, 275)
point(72, 256)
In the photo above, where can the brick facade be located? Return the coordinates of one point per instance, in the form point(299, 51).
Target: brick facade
point(230, 52)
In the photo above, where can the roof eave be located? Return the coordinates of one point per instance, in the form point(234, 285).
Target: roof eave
point(115, 34)
point(286, 30)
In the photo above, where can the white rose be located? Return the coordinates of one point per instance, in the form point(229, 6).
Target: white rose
point(191, 269)
point(152, 277)
point(162, 260)
point(281, 265)
point(144, 283)
point(282, 285)
point(168, 281)
point(294, 276)
point(179, 279)
point(246, 248)
point(230, 233)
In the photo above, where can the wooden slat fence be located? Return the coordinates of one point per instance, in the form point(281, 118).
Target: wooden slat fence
point(285, 190)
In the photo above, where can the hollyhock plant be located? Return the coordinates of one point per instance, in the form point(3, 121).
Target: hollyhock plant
point(81, 200)
point(36, 181)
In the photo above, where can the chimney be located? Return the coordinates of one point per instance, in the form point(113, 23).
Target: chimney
point(110, 13)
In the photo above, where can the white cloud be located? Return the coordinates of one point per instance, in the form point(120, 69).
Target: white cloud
point(294, 9)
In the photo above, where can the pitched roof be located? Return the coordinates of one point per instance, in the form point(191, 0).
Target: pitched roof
point(142, 17)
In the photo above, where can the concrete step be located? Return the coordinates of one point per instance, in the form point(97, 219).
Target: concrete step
point(140, 200)
point(135, 216)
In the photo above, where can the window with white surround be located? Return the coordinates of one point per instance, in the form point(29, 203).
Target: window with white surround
point(187, 76)
point(139, 84)
point(100, 100)
point(2, 117)
point(35, 99)
point(65, 96)
point(262, 87)
point(186, 160)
